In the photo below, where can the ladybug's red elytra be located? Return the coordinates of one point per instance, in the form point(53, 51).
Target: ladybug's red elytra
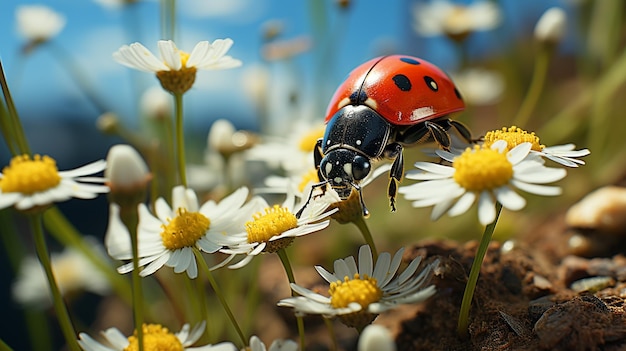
point(385, 104)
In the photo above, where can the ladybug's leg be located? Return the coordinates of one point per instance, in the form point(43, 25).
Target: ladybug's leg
point(463, 130)
point(394, 151)
point(414, 135)
point(317, 157)
point(440, 134)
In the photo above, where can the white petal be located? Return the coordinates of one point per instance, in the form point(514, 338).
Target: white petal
point(169, 54)
point(366, 265)
point(518, 153)
point(88, 169)
point(463, 204)
point(541, 175)
point(509, 198)
point(117, 239)
point(435, 168)
point(486, 208)
point(537, 189)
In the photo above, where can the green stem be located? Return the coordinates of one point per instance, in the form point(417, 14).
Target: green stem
point(63, 316)
point(6, 127)
point(367, 235)
point(536, 86)
point(473, 276)
point(220, 296)
point(180, 138)
point(199, 302)
point(284, 259)
point(130, 217)
point(14, 119)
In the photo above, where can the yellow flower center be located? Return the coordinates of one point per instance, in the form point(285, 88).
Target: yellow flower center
point(178, 82)
point(363, 291)
point(481, 169)
point(183, 58)
point(513, 137)
point(308, 140)
point(274, 221)
point(27, 176)
point(155, 338)
point(184, 230)
point(309, 177)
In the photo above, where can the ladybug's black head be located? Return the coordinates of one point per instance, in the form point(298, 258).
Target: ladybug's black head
point(344, 169)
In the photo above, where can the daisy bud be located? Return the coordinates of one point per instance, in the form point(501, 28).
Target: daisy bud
point(376, 338)
point(551, 26)
point(224, 139)
point(108, 123)
point(38, 23)
point(127, 175)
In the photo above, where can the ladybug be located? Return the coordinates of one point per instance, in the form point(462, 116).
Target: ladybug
point(385, 104)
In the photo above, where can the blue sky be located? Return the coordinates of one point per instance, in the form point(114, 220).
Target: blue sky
point(43, 90)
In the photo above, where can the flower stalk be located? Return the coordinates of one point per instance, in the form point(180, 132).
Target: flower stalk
point(470, 287)
point(63, 315)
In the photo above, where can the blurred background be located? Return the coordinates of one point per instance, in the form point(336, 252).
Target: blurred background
point(295, 53)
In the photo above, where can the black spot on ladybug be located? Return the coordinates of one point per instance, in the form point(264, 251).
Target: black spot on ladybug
point(410, 61)
point(458, 94)
point(430, 82)
point(358, 97)
point(402, 82)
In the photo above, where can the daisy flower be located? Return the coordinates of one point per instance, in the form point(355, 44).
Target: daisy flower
point(357, 295)
point(277, 345)
point(479, 86)
point(170, 236)
point(376, 338)
point(565, 155)
point(275, 227)
point(292, 153)
point(486, 174)
point(27, 183)
point(38, 23)
point(442, 17)
point(73, 273)
point(177, 69)
point(155, 337)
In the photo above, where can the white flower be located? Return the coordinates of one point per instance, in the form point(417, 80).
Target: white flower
point(154, 334)
point(359, 293)
point(551, 26)
point(294, 152)
point(562, 154)
point(488, 174)
point(177, 69)
point(170, 237)
point(479, 86)
point(204, 55)
point(38, 22)
point(276, 227)
point(376, 338)
point(277, 345)
point(73, 272)
point(26, 183)
point(441, 17)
